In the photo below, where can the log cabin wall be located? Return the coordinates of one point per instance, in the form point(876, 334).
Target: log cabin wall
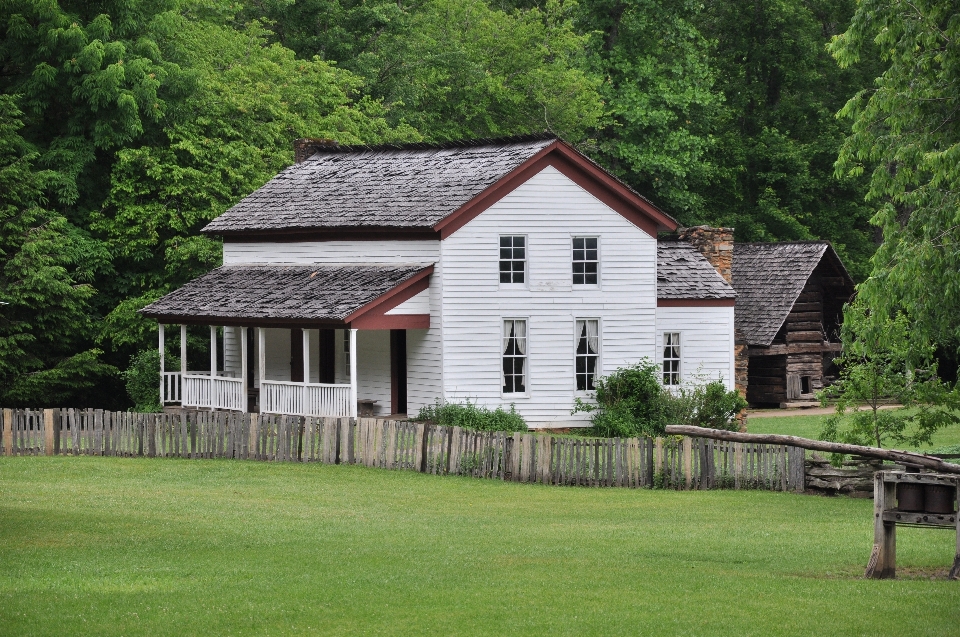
point(768, 379)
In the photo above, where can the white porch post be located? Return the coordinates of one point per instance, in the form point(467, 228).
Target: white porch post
point(245, 386)
point(213, 352)
point(162, 393)
point(261, 359)
point(353, 373)
point(183, 351)
point(306, 354)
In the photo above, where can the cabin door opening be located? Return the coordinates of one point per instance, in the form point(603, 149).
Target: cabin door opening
point(398, 371)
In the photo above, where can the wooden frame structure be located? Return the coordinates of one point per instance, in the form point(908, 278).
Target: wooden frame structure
point(887, 515)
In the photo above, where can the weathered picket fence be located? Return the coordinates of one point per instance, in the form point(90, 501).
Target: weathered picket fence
point(672, 463)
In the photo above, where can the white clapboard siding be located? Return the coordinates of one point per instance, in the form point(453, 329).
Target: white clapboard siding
point(361, 252)
point(550, 210)
point(419, 304)
point(373, 367)
point(231, 351)
point(425, 352)
point(277, 353)
point(706, 341)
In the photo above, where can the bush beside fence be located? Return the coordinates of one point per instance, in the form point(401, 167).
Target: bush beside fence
point(674, 463)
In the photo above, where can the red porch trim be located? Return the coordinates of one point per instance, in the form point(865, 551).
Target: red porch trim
point(373, 315)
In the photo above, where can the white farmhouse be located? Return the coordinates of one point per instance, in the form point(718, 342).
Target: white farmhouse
point(504, 272)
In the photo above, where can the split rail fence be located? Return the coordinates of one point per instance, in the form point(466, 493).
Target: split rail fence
point(672, 463)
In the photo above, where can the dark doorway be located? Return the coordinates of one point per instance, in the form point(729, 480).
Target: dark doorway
point(328, 357)
point(398, 371)
point(296, 355)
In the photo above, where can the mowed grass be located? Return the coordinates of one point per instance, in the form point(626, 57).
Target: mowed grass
point(811, 426)
point(113, 546)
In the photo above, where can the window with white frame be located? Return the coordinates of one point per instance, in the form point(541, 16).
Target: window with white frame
point(514, 356)
point(587, 353)
point(586, 261)
point(671, 358)
point(346, 353)
point(513, 258)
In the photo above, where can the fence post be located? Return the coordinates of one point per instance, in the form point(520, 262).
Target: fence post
point(48, 432)
point(8, 432)
point(658, 456)
point(253, 436)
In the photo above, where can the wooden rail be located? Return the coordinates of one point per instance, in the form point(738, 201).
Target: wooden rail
point(672, 463)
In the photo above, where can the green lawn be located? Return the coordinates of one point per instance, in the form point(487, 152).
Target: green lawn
point(810, 426)
point(112, 546)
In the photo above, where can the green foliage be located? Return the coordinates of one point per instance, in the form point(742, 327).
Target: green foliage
point(776, 137)
point(906, 137)
point(660, 98)
point(629, 402)
point(632, 402)
point(470, 416)
point(46, 265)
point(879, 364)
point(142, 379)
point(457, 69)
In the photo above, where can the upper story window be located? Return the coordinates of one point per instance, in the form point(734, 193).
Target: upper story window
point(586, 261)
point(513, 258)
point(514, 356)
point(588, 353)
point(671, 358)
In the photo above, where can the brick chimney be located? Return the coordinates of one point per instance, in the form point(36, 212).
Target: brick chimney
point(716, 244)
point(303, 149)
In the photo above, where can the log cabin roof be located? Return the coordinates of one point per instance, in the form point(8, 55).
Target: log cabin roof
point(282, 293)
point(684, 273)
point(768, 278)
point(398, 188)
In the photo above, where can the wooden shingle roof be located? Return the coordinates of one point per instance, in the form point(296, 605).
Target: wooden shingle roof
point(684, 273)
point(768, 278)
point(280, 293)
point(411, 187)
point(405, 187)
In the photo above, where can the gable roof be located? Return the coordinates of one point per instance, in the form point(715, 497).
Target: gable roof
point(409, 187)
point(334, 294)
point(768, 278)
point(684, 273)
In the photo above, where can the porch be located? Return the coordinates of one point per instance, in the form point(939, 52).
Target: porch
point(235, 390)
point(284, 339)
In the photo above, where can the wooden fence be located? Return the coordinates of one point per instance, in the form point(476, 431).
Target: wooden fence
point(672, 463)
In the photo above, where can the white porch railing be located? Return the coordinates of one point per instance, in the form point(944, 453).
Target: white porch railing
point(170, 387)
point(304, 399)
point(200, 390)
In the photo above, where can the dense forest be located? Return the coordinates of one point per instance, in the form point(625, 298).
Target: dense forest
point(126, 125)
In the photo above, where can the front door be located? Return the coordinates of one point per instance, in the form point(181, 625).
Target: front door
point(398, 371)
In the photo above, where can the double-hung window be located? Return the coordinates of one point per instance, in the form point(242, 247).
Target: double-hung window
point(586, 261)
point(513, 258)
point(671, 358)
point(514, 356)
point(587, 353)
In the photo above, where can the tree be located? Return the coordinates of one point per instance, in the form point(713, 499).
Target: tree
point(906, 136)
point(777, 136)
point(878, 365)
point(46, 265)
point(660, 99)
point(461, 69)
point(231, 134)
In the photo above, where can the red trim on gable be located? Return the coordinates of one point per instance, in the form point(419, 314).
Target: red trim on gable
point(373, 315)
point(392, 322)
point(578, 169)
point(696, 302)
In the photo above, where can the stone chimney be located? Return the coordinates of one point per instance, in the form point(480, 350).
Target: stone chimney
point(303, 149)
point(716, 244)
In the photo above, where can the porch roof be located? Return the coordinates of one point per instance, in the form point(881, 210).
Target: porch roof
point(280, 294)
